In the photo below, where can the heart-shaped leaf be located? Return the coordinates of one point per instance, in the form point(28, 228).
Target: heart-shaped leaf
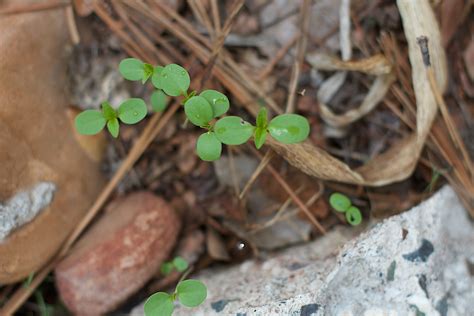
point(191, 293)
point(132, 111)
point(219, 102)
point(198, 111)
point(90, 122)
point(113, 127)
point(208, 147)
point(232, 130)
point(158, 101)
point(174, 80)
point(160, 303)
point(132, 69)
point(353, 216)
point(289, 128)
point(339, 202)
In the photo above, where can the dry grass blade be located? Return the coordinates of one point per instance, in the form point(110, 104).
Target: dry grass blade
point(292, 194)
point(300, 52)
point(265, 161)
point(44, 5)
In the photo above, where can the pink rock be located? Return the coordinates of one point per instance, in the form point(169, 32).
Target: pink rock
point(121, 252)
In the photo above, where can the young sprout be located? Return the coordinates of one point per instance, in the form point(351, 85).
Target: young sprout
point(178, 263)
point(91, 122)
point(190, 293)
point(342, 203)
point(201, 109)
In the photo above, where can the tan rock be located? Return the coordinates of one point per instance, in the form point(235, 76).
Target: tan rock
point(123, 250)
point(37, 144)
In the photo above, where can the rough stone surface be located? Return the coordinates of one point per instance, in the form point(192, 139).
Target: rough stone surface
point(36, 139)
point(418, 262)
point(118, 254)
point(24, 206)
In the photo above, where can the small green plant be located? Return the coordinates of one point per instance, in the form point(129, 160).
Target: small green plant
point(190, 293)
point(178, 264)
point(343, 204)
point(203, 110)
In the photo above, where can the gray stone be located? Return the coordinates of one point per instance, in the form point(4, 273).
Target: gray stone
point(24, 206)
point(416, 262)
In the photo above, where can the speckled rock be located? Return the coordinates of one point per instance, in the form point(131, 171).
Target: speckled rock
point(47, 180)
point(118, 254)
point(418, 262)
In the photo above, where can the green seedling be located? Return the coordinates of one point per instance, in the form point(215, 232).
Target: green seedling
point(91, 122)
point(343, 204)
point(203, 109)
point(177, 263)
point(190, 293)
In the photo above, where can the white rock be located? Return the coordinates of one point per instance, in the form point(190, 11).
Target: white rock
point(24, 206)
point(429, 250)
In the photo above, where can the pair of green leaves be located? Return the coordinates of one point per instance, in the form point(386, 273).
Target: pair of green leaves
point(286, 128)
point(190, 293)
point(230, 130)
point(173, 79)
point(91, 122)
point(202, 108)
point(343, 204)
point(177, 263)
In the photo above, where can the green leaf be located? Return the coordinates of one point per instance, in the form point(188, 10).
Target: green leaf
point(113, 127)
point(159, 304)
point(339, 202)
point(259, 137)
point(166, 268)
point(174, 80)
point(353, 216)
point(208, 147)
point(147, 72)
point(262, 119)
point(191, 293)
point(158, 101)
point(108, 111)
point(180, 264)
point(132, 111)
point(198, 110)
point(232, 130)
point(132, 69)
point(289, 128)
point(155, 79)
point(219, 102)
point(90, 122)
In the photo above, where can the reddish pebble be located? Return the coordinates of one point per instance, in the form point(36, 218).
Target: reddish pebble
point(118, 255)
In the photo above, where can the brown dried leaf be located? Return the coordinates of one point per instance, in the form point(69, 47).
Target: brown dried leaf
point(216, 246)
point(399, 161)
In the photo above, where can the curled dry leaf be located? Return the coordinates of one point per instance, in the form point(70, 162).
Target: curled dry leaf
point(399, 161)
point(377, 65)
